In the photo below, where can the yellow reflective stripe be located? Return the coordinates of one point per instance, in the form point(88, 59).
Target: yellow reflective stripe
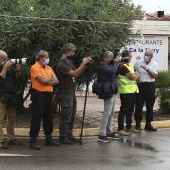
point(127, 83)
point(122, 77)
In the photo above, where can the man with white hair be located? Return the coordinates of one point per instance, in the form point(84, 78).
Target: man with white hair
point(148, 71)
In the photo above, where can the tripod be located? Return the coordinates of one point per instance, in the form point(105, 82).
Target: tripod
point(89, 71)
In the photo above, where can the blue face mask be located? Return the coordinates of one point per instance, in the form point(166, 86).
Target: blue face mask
point(46, 61)
point(146, 58)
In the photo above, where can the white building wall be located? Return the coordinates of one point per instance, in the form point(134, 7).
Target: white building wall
point(158, 44)
point(146, 33)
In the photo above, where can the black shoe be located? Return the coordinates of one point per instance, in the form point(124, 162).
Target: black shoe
point(50, 142)
point(66, 141)
point(104, 139)
point(150, 128)
point(3, 145)
point(34, 146)
point(138, 126)
point(15, 142)
point(72, 138)
point(113, 136)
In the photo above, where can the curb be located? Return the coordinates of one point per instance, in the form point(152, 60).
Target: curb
point(24, 132)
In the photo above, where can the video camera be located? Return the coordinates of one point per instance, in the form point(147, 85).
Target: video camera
point(16, 61)
point(94, 58)
point(122, 59)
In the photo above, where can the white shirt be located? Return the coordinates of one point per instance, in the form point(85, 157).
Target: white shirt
point(144, 75)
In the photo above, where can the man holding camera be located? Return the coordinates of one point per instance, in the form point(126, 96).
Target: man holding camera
point(106, 75)
point(8, 99)
point(127, 88)
point(43, 79)
point(67, 74)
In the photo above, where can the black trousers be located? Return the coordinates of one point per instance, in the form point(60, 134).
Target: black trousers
point(68, 114)
point(146, 93)
point(126, 109)
point(41, 108)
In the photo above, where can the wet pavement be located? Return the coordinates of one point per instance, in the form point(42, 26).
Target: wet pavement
point(143, 151)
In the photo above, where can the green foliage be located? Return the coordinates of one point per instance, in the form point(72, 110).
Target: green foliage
point(93, 26)
point(162, 84)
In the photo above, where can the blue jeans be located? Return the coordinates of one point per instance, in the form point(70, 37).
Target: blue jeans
point(107, 118)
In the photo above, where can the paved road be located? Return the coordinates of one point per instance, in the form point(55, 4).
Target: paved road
point(145, 151)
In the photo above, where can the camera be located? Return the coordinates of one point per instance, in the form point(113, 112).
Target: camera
point(19, 61)
point(16, 61)
point(94, 58)
point(124, 59)
point(116, 53)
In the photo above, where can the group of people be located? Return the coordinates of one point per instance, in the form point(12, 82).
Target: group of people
point(135, 84)
point(128, 83)
point(43, 79)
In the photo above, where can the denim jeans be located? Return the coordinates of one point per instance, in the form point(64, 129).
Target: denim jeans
point(107, 118)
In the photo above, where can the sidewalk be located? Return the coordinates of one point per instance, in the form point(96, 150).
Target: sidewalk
point(94, 109)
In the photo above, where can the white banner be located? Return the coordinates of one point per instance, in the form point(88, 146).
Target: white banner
point(159, 45)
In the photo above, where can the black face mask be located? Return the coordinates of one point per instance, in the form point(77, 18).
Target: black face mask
point(70, 57)
point(111, 62)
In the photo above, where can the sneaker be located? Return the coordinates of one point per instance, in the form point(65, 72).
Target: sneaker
point(3, 145)
point(133, 131)
point(123, 133)
point(113, 136)
point(104, 139)
point(66, 141)
point(15, 142)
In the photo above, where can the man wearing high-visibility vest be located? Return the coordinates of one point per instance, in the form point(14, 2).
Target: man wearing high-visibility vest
point(127, 88)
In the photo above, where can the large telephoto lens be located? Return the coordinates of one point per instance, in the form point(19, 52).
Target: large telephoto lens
point(19, 61)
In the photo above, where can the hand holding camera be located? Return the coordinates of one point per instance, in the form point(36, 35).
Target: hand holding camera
point(7, 64)
point(87, 61)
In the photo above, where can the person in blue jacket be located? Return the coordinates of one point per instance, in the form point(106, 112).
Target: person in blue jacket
point(106, 75)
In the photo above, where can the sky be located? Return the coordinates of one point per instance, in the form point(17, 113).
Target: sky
point(151, 6)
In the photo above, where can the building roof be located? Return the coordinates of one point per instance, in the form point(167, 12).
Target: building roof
point(153, 17)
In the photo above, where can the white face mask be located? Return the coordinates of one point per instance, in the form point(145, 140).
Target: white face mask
point(46, 61)
point(146, 58)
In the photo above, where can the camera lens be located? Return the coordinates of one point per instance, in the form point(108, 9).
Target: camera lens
point(124, 59)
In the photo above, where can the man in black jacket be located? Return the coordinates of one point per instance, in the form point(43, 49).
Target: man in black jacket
point(8, 75)
point(106, 74)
